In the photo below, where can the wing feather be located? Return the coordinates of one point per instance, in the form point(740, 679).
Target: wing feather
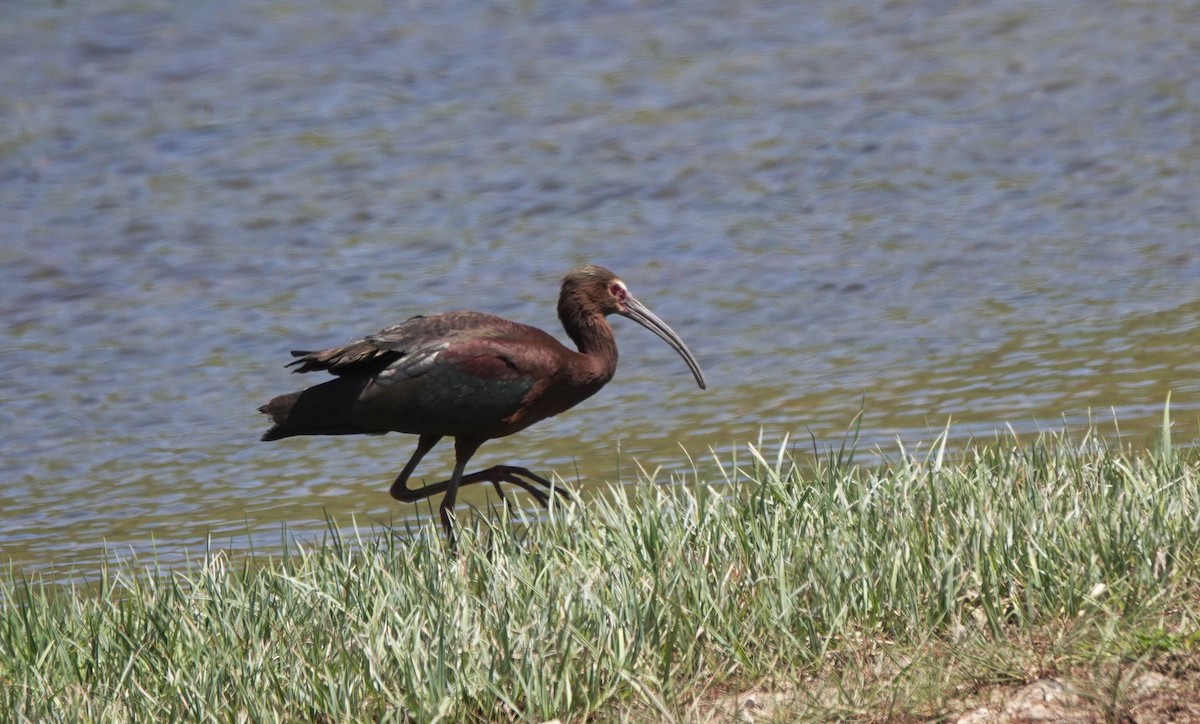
point(375, 352)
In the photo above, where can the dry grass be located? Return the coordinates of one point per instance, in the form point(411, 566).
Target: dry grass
point(927, 587)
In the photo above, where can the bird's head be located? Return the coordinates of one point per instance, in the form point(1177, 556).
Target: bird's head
point(594, 290)
point(597, 289)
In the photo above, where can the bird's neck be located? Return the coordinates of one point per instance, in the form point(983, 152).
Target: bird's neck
point(593, 336)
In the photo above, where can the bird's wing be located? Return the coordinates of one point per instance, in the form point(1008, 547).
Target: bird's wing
point(383, 349)
point(359, 355)
point(469, 382)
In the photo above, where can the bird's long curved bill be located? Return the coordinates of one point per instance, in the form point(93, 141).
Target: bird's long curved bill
point(643, 316)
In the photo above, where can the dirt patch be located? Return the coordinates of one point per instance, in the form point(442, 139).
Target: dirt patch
point(1148, 697)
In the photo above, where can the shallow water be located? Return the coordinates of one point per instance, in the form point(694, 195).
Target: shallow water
point(979, 211)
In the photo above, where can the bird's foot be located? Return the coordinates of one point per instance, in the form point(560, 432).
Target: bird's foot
point(520, 477)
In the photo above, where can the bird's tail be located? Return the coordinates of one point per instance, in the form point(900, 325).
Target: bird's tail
point(325, 409)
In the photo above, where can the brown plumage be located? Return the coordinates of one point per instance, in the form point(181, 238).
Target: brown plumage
point(470, 376)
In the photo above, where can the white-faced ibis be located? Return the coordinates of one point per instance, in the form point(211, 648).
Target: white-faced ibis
point(470, 376)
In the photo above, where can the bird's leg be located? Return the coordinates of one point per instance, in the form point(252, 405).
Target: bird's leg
point(400, 490)
point(494, 475)
point(464, 448)
point(517, 476)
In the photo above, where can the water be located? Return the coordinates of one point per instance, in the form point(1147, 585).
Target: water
point(981, 211)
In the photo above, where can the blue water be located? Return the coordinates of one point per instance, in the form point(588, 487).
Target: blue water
point(982, 212)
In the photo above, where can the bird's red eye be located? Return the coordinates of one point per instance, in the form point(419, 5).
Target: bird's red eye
point(618, 292)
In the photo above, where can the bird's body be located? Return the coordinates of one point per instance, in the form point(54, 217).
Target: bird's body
point(452, 374)
point(467, 375)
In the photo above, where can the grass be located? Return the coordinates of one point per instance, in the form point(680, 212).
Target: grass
point(903, 590)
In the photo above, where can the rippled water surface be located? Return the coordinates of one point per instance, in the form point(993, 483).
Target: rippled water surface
point(982, 211)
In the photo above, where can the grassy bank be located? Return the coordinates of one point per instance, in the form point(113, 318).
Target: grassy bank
point(907, 589)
